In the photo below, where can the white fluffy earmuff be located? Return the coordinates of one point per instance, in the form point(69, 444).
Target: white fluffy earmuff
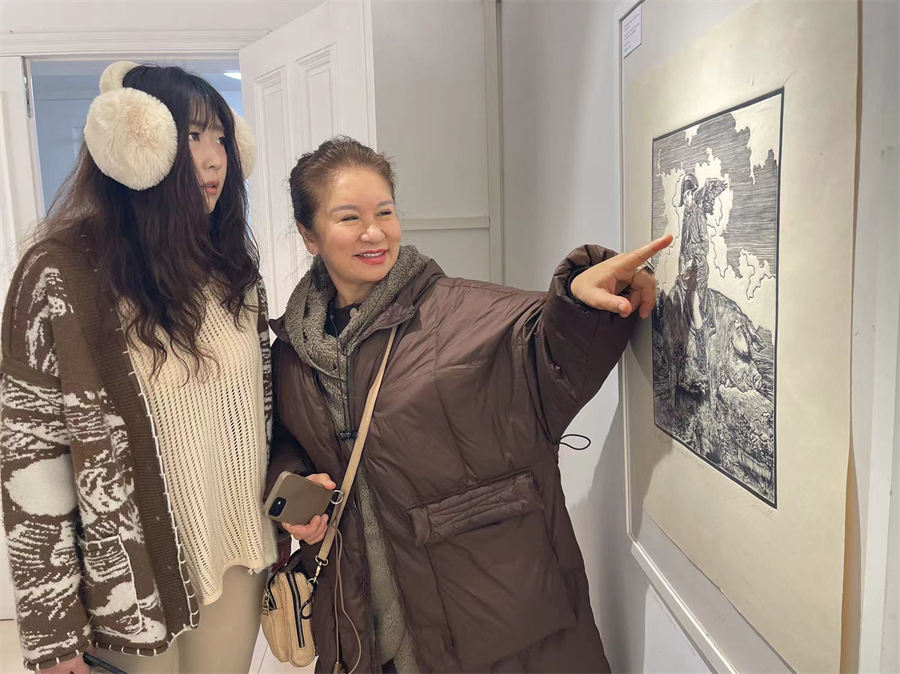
point(244, 143)
point(132, 136)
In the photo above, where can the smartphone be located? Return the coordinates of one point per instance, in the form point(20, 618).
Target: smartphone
point(93, 661)
point(296, 500)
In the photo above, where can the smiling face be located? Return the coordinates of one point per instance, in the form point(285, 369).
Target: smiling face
point(356, 232)
point(210, 159)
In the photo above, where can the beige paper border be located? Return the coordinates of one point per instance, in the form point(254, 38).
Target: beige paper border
point(781, 568)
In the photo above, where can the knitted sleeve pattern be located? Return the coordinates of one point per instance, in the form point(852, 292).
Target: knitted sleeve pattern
point(36, 475)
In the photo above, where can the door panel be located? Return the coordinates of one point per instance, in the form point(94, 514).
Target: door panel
point(307, 81)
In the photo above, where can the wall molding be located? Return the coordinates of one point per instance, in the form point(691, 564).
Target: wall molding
point(133, 43)
point(423, 223)
point(682, 613)
point(320, 62)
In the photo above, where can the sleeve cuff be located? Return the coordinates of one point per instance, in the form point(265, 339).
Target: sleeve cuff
point(50, 663)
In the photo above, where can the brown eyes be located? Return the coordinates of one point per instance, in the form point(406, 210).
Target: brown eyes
point(195, 136)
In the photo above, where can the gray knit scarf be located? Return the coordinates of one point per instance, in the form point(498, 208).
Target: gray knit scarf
point(307, 311)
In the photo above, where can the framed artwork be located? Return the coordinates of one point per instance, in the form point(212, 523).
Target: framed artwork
point(736, 396)
point(715, 183)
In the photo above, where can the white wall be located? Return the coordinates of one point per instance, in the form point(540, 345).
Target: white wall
point(431, 119)
point(558, 79)
point(557, 82)
point(874, 531)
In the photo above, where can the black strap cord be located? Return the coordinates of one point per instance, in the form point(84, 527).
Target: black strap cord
point(587, 441)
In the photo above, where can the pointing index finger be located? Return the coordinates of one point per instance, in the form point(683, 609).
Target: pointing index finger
point(640, 255)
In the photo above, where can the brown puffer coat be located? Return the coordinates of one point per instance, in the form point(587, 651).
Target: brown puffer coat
point(462, 464)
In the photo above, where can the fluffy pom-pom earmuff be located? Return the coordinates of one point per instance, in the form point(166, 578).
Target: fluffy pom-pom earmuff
point(114, 74)
point(244, 143)
point(132, 136)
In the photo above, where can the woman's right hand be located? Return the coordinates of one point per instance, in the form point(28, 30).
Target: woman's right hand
point(75, 665)
point(599, 286)
point(314, 531)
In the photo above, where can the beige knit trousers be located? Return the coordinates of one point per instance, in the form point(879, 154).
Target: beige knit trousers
point(222, 644)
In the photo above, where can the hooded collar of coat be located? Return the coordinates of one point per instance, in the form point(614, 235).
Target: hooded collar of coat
point(390, 302)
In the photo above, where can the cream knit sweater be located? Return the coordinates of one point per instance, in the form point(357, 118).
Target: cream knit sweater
point(210, 427)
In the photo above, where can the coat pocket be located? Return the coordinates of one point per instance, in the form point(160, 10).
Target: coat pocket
point(498, 576)
point(110, 598)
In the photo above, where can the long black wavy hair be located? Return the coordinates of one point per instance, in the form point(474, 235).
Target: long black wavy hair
point(157, 249)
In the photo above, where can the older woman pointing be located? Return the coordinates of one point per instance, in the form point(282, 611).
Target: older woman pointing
point(458, 551)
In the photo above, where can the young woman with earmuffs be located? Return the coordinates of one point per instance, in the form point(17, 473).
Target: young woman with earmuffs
point(136, 395)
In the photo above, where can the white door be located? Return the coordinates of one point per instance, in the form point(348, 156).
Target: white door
point(20, 207)
point(304, 82)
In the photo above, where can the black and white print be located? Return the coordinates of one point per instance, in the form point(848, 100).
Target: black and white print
point(716, 190)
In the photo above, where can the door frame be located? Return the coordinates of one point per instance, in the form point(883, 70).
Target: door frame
point(86, 45)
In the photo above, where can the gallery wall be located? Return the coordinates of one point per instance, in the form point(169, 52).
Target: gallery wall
point(558, 84)
point(437, 140)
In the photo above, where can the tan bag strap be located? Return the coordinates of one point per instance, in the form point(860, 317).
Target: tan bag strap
point(355, 457)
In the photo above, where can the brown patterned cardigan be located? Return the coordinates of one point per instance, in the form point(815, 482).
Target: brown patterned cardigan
point(94, 549)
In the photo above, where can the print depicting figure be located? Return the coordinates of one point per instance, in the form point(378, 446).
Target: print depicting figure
point(715, 188)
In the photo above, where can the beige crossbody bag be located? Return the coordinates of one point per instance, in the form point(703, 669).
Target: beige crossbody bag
point(289, 593)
